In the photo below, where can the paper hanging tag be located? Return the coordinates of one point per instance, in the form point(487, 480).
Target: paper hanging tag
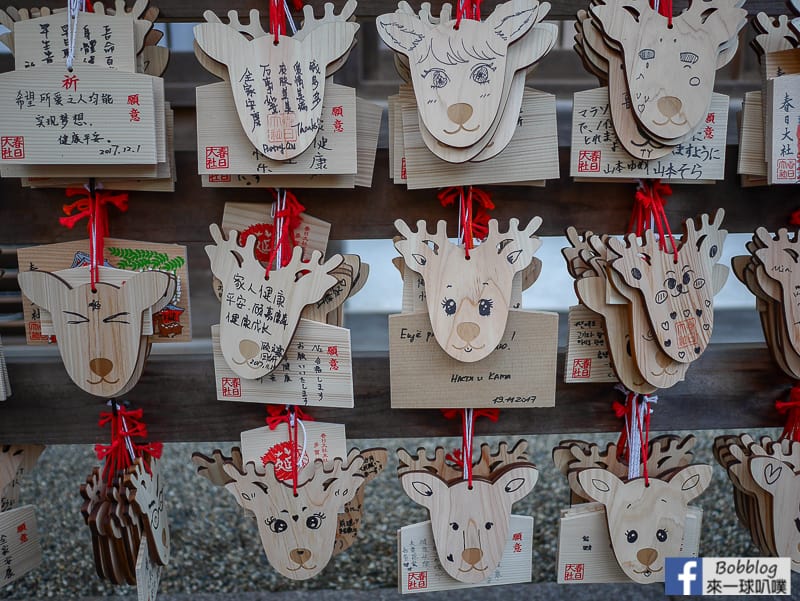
point(419, 570)
point(588, 359)
point(101, 40)
point(315, 371)
point(319, 439)
point(584, 548)
point(224, 148)
point(92, 115)
point(148, 574)
point(171, 324)
point(519, 373)
point(595, 151)
point(20, 548)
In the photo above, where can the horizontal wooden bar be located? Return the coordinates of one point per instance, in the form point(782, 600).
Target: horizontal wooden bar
point(191, 10)
point(31, 216)
point(731, 386)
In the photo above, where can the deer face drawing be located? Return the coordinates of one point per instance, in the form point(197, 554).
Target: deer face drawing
point(783, 484)
point(678, 293)
point(259, 315)
point(670, 70)
point(458, 74)
point(297, 533)
point(278, 89)
point(468, 299)
point(470, 526)
point(99, 333)
point(646, 523)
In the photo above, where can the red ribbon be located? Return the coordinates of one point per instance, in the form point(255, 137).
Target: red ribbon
point(122, 452)
point(650, 199)
point(464, 455)
point(474, 220)
point(795, 218)
point(277, 16)
point(665, 10)
point(289, 220)
point(468, 9)
point(94, 207)
point(630, 411)
point(791, 431)
point(283, 415)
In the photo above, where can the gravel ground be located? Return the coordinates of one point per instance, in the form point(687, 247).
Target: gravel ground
point(216, 549)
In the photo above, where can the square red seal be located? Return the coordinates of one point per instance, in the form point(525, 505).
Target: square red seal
point(417, 580)
point(231, 388)
point(573, 571)
point(582, 368)
point(787, 169)
point(12, 148)
point(217, 157)
point(588, 161)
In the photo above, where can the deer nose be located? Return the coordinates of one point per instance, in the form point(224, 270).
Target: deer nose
point(459, 113)
point(669, 106)
point(468, 330)
point(300, 555)
point(248, 349)
point(101, 366)
point(472, 555)
point(647, 556)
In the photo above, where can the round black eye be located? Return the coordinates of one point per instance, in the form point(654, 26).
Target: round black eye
point(449, 306)
point(637, 275)
point(314, 522)
point(277, 525)
point(488, 525)
point(713, 251)
point(661, 535)
point(454, 526)
point(485, 307)
point(632, 535)
point(686, 278)
point(670, 283)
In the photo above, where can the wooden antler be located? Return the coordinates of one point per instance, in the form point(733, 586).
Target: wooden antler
point(253, 29)
point(774, 35)
point(518, 245)
point(722, 18)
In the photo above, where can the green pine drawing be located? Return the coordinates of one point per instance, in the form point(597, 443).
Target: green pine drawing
point(135, 259)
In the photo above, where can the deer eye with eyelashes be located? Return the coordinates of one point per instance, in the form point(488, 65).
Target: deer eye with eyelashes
point(315, 521)
point(449, 306)
point(485, 307)
point(277, 525)
point(661, 535)
point(631, 535)
point(480, 73)
point(439, 78)
point(78, 318)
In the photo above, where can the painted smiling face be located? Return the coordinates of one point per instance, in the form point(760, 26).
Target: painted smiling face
point(468, 299)
point(670, 69)
point(646, 523)
point(99, 332)
point(458, 74)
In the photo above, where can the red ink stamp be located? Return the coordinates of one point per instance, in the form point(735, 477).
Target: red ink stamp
point(231, 387)
point(787, 169)
point(417, 580)
point(582, 368)
point(219, 179)
point(12, 147)
point(573, 571)
point(281, 456)
point(687, 333)
point(589, 161)
point(217, 157)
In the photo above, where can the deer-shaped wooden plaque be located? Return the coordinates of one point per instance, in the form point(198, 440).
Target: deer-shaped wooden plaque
point(259, 315)
point(278, 88)
point(468, 299)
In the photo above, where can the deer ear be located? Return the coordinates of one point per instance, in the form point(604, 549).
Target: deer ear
point(512, 20)
point(43, 288)
point(770, 474)
point(599, 484)
point(401, 32)
point(220, 42)
point(423, 488)
point(616, 18)
point(517, 482)
point(145, 289)
point(336, 38)
point(691, 480)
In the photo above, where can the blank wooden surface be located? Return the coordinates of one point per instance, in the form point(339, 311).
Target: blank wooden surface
point(731, 386)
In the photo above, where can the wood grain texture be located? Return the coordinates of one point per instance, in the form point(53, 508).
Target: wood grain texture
point(178, 395)
point(189, 10)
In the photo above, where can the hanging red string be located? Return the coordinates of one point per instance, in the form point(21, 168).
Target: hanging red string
point(94, 207)
point(123, 451)
point(636, 405)
point(462, 458)
point(277, 19)
point(468, 9)
point(474, 207)
point(291, 416)
point(791, 431)
point(287, 220)
point(664, 9)
point(648, 209)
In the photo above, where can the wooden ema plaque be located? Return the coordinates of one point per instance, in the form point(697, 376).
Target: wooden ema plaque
point(782, 129)
point(223, 147)
point(93, 115)
point(519, 373)
point(171, 324)
point(596, 153)
point(587, 358)
point(20, 549)
point(419, 570)
point(315, 371)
